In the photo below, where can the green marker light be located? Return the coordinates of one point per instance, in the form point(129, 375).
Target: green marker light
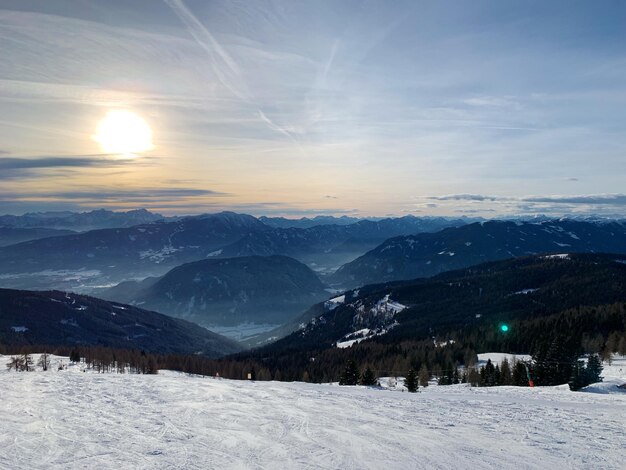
point(504, 328)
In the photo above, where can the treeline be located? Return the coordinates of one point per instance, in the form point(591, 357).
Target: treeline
point(555, 342)
point(96, 358)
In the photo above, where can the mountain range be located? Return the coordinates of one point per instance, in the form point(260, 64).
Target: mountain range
point(84, 261)
point(80, 221)
point(427, 254)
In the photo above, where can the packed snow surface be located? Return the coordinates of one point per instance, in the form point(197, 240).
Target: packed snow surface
point(68, 419)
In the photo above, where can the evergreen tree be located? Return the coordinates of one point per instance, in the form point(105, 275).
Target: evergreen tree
point(75, 355)
point(553, 362)
point(578, 379)
point(410, 382)
point(505, 373)
point(519, 377)
point(594, 369)
point(350, 374)
point(489, 375)
point(369, 378)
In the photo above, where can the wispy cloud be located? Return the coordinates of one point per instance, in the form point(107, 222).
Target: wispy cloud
point(464, 197)
point(107, 194)
point(12, 168)
point(225, 68)
point(593, 199)
point(80, 161)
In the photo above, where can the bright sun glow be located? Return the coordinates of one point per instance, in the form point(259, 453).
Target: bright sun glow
point(123, 132)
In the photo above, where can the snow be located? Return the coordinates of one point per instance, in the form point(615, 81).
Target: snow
point(498, 358)
point(525, 291)
point(19, 329)
point(66, 420)
point(158, 256)
point(559, 256)
point(362, 334)
point(333, 303)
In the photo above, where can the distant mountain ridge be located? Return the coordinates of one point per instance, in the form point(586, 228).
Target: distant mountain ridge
point(80, 221)
point(427, 254)
point(58, 318)
point(328, 246)
point(306, 222)
point(106, 257)
point(14, 235)
point(230, 291)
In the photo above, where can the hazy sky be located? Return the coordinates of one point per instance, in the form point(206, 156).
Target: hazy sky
point(307, 107)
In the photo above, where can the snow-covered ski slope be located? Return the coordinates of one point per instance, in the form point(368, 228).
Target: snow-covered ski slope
point(71, 419)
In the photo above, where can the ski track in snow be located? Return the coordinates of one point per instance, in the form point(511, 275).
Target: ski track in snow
point(87, 420)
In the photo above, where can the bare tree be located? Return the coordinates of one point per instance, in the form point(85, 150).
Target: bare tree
point(27, 362)
point(15, 363)
point(44, 361)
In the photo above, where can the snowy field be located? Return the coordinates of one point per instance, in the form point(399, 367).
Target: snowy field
point(68, 419)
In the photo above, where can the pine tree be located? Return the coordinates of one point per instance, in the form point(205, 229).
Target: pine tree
point(489, 376)
point(553, 362)
point(519, 377)
point(505, 373)
point(578, 379)
point(594, 369)
point(350, 374)
point(410, 382)
point(369, 378)
point(75, 355)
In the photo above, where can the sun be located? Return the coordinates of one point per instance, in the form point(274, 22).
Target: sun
point(123, 132)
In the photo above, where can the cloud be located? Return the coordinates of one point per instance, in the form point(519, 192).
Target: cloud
point(80, 161)
point(593, 199)
point(12, 168)
point(106, 196)
point(464, 197)
point(225, 68)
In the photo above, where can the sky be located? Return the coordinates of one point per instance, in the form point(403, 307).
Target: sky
point(301, 108)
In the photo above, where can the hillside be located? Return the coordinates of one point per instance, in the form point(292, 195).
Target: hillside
point(487, 294)
point(427, 254)
point(211, 292)
point(58, 318)
point(13, 235)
